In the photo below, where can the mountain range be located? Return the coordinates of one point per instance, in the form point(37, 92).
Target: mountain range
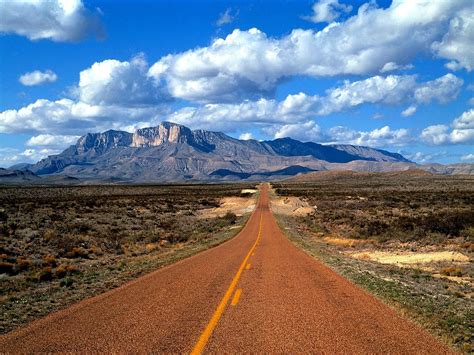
point(171, 152)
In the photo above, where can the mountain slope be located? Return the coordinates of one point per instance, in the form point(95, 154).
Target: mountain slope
point(172, 152)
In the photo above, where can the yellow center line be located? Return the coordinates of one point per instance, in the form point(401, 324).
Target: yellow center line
point(236, 297)
point(206, 334)
point(248, 266)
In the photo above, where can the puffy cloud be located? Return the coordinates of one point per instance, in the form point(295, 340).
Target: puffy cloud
point(465, 121)
point(68, 117)
point(377, 89)
point(458, 43)
point(58, 20)
point(249, 64)
point(409, 111)
point(379, 137)
point(391, 66)
point(38, 77)
point(121, 95)
point(225, 18)
point(246, 136)
point(112, 82)
point(443, 89)
point(435, 134)
point(305, 132)
point(327, 11)
point(422, 157)
point(462, 131)
point(390, 90)
point(51, 141)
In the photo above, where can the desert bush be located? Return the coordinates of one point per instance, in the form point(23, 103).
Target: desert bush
point(230, 217)
point(23, 263)
point(45, 274)
point(77, 252)
point(64, 270)
point(49, 260)
point(49, 234)
point(66, 282)
point(452, 271)
point(7, 268)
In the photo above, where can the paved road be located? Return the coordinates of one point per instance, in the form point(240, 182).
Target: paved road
point(255, 293)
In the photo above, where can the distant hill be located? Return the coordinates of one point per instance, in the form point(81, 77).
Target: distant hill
point(26, 177)
point(350, 174)
point(15, 176)
point(172, 152)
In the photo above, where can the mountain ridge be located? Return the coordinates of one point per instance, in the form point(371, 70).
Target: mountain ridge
point(172, 152)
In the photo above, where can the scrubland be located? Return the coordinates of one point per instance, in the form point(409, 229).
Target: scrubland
point(62, 244)
point(408, 239)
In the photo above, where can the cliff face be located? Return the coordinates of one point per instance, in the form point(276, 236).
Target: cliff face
point(164, 133)
point(101, 142)
point(172, 152)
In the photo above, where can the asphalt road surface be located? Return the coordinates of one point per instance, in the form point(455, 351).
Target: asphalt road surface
point(255, 293)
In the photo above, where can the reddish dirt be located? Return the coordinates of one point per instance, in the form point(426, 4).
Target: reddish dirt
point(290, 302)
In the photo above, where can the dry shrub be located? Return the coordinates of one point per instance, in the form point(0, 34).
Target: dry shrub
point(23, 263)
point(7, 268)
point(452, 271)
point(45, 274)
point(49, 235)
point(49, 260)
point(230, 217)
point(95, 250)
point(151, 247)
point(77, 252)
point(64, 270)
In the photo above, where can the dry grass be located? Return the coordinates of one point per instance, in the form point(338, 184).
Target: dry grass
point(407, 239)
point(61, 244)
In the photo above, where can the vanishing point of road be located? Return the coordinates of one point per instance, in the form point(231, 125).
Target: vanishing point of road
point(256, 293)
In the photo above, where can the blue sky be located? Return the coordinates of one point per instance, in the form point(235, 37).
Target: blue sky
point(393, 75)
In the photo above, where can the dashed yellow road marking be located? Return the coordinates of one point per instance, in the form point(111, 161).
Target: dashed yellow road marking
point(206, 334)
point(248, 266)
point(236, 297)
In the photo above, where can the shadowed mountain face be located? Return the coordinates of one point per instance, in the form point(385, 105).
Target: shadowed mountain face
point(171, 152)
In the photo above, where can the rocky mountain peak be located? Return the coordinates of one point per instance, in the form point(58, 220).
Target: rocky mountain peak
point(165, 132)
point(100, 142)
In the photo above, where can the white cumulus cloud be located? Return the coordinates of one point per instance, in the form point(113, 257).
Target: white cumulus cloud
point(443, 89)
point(38, 77)
point(379, 137)
point(458, 43)
point(51, 141)
point(68, 117)
point(57, 20)
point(112, 82)
point(306, 132)
point(460, 132)
point(409, 111)
point(327, 11)
point(249, 64)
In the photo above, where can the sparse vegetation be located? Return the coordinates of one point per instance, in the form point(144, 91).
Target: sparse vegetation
point(61, 244)
point(376, 230)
